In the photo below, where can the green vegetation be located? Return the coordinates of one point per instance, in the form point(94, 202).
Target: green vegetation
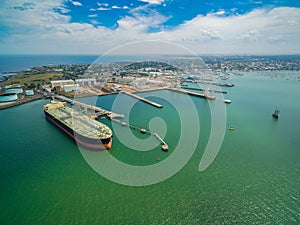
point(33, 79)
point(154, 65)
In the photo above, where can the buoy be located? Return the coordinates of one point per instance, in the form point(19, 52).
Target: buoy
point(158, 159)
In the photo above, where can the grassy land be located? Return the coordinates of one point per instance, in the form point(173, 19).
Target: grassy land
point(31, 78)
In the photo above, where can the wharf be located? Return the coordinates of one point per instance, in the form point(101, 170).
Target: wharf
point(202, 89)
point(99, 111)
point(212, 83)
point(201, 95)
point(142, 99)
point(151, 89)
point(164, 145)
point(217, 84)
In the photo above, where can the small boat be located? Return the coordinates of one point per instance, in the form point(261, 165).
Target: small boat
point(165, 147)
point(227, 101)
point(143, 131)
point(225, 78)
point(276, 114)
point(231, 128)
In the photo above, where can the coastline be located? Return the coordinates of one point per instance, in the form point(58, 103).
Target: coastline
point(22, 100)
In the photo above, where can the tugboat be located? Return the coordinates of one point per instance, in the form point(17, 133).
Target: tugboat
point(276, 114)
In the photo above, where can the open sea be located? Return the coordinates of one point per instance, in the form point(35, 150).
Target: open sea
point(254, 179)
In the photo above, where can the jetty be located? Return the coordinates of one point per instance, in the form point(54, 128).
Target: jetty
point(98, 111)
point(164, 145)
point(201, 95)
point(142, 99)
point(202, 89)
point(210, 82)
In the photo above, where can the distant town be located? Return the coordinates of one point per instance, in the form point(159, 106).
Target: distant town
point(105, 78)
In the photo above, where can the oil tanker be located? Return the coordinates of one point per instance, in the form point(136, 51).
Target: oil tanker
point(87, 132)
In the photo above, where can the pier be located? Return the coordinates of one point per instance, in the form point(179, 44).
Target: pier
point(98, 111)
point(164, 145)
point(210, 82)
point(201, 95)
point(202, 89)
point(142, 99)
point(217, 84)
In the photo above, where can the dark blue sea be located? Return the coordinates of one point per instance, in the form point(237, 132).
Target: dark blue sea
point(15, 63)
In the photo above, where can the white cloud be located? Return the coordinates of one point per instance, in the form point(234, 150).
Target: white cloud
point(252, 35)
point(103, 9)
point(157, 2)
point(116, 7)
point(275, 37)
point(76, 3)
point(95, 22)
point(62, 9)
point(92, 15)
point(221, 12)
point(42, 30)
point(102, 4)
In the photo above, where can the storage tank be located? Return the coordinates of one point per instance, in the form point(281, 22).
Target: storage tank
point(8, 97)
point(29, 92)
point(14, 91)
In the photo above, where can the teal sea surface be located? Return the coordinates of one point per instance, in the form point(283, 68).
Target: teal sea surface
point(254, 179)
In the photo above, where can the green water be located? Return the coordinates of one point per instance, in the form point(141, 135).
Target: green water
point(255, 178)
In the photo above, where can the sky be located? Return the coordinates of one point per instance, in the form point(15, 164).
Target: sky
point(97, 26)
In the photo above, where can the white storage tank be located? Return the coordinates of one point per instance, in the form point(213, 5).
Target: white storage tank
point(8, 97)
point(13, 91)
point(29, 92)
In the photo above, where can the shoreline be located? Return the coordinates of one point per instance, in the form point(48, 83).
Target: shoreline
point(23, 100)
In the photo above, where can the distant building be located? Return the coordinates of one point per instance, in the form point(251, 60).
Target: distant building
point(69, 87)
point(12, 86)
point(29, 92)
point(116, 88)
point(59, 83)
point(58, 70)
point(86, 81)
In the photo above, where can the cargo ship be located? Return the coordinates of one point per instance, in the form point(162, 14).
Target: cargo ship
point(87, 132)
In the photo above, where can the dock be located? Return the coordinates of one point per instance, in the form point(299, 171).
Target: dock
point(142, 99)
point(216, 84)
point(164, 145)
point(202, 89)
point(98, 111)
point(201, 95)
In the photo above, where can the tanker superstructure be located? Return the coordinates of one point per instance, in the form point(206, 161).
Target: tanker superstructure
point(87, 132)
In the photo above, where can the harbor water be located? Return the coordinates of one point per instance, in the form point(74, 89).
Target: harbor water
point(254, 179)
